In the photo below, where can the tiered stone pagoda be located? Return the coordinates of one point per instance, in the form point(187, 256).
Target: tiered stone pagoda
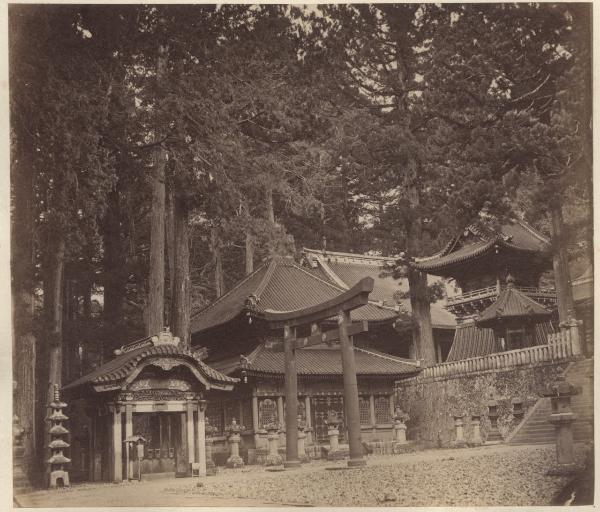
point(479, 260)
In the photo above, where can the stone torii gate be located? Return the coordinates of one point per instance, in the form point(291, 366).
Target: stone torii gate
point(339, 306)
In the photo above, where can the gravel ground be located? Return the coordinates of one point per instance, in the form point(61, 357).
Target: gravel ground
point(486, 476)
point(510, 476)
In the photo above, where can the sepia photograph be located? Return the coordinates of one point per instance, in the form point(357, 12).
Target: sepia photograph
point(281, 255)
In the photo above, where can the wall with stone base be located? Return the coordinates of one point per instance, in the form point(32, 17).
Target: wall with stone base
point(432, 404)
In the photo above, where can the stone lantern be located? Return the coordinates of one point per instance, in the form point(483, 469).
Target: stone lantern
point(476, 438)
point(333, 424)
point(273, 458)
point(211, 468)
point(234, 438)
point(301, 440)
point(400, 419)
point(562, 417)
point(460, 433)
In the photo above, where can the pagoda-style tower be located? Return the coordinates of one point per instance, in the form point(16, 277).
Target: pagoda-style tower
point(58, 474)
point(480, 259)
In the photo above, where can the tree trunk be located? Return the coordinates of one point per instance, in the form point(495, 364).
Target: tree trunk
point(560, 261)
point(215, 247)
point(156, 279)
point(422, 333)
point(182, 288)
point(53, 304)
point(24, 340)
point(269, 211)
point(249, 254)
point(170, 241)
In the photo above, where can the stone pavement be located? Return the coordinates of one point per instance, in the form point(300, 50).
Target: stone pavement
point(444, 471)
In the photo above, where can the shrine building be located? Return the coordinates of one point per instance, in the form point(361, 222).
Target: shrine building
point(241, 343)
point(153, 388)
point(483, 260)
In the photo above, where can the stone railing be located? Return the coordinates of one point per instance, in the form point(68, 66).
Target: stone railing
point(562, 345)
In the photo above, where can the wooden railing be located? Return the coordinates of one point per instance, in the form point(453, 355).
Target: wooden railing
point(561, 345)
point(491, 291)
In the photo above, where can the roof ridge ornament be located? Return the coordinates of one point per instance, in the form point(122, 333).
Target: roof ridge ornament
point(165, 337)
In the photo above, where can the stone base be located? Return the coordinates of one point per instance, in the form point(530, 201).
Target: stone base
point(475, 443)
point(357, 463)
point(235, 462)
point(211, 468)
point(58, 475)
point(458, 444)
point(399, 448)
point(291, 464)
point(273, 460)
point(337, 455)
point(564, 469)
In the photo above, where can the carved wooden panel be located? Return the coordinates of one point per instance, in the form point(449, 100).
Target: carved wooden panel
point(382, 410)
point(364, 407)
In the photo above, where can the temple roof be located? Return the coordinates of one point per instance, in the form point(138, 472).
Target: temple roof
point(479, 239)
point(347, 269)
point(583, 286)
point(281, 285)
point(115, 372)
point(328, 361)
point(473, 341)
point(512, 304)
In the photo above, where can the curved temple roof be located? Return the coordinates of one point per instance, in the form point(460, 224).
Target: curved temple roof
point(479, 239)
point(281, 285)
point(512, 304)
point(113, 374)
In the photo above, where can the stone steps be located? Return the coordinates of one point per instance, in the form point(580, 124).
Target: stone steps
point(538, 430)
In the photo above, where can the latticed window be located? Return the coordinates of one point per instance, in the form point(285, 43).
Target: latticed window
point(247, 414)
point(364, 408)
point(382, 410)
point(301, 409)
point(214, 415)
point(267, 412)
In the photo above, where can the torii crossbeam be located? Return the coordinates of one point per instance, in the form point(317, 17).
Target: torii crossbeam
point(339, 306)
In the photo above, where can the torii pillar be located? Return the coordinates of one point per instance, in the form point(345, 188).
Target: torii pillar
point(350, 392)
point(289, 320)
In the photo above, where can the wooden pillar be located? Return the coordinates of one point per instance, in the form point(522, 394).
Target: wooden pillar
point(309, 433)
point(201, 442)
point(128, 433)
point(255, 424)
point(117, 462)
point(291, 400)
point(280, 417)
point(190, 433)
point(350, 392)
point(392, 409)
point(372, 409)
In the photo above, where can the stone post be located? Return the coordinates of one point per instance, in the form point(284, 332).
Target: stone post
point(562, 418)
point(460, 436)
point(476, 422)
point(273, 458)
point(333, 433)
point(234, 460)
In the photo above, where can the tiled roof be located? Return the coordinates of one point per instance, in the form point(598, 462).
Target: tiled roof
point(121, 366)
point(472, 341)
point(350, 269)
point(281, 285)
point(583, 286)
point(514, 234)
point(512, 304)
point(328, 361)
